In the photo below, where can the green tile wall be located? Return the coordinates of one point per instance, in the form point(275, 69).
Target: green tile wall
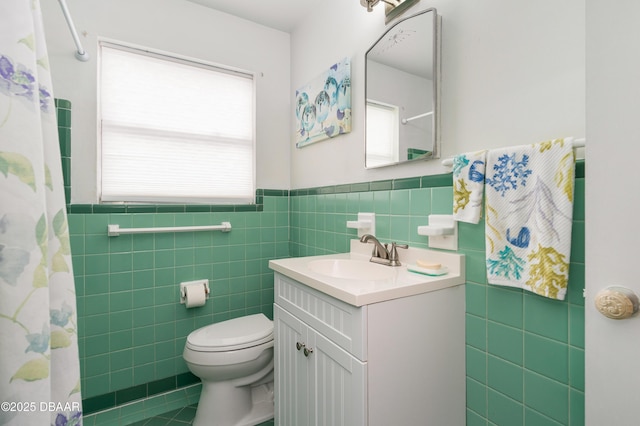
point(319, 215)
point(524, 353)
point(63, 112)
point(132, 328)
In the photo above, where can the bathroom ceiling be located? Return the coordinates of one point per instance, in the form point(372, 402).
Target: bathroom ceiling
point(279, 14)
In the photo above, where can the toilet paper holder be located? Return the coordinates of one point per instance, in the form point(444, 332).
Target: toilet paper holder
point(184, 285)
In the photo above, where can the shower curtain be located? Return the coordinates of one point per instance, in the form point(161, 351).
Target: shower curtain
point(39, 364)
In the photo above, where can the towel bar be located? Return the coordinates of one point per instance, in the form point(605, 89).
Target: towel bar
point(577, 143)
point(114, 230)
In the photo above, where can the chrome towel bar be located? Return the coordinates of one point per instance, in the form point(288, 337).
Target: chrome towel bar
point(577, 143)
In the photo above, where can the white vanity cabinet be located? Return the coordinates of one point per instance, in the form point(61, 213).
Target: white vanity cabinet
point(318, 382)
point(395, 362)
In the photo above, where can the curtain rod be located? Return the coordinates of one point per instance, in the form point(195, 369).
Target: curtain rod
point(80, 53)
point(577, 143)
point(406, 120)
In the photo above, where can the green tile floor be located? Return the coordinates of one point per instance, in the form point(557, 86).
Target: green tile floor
point(178, 417)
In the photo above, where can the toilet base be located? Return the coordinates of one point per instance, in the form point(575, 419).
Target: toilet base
point(262, 410)
point(235, 401)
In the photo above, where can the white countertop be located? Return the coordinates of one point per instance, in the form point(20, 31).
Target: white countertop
point(359, 292)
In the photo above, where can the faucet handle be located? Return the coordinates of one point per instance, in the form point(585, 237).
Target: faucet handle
point(394, 246)
point(393, 253)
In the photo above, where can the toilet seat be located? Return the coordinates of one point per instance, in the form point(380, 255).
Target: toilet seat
point(238, 333)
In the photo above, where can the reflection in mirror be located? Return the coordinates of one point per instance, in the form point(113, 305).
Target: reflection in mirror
point(402, 76)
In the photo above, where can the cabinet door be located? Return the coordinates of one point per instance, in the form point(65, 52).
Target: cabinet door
point(339, 383)
point(291, 370)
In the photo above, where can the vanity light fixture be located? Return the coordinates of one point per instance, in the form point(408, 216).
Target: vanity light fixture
point(392, 8)
point(370, 3)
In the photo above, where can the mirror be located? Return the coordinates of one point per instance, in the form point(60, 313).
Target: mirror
point(402, 71)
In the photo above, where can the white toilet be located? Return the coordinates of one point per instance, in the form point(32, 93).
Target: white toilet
point(234, 360)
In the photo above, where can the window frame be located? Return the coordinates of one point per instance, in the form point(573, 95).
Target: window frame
point(377, 160)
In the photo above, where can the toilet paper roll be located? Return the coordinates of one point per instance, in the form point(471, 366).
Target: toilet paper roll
point(194, 296)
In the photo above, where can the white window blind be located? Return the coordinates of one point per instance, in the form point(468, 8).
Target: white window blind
point(382, 133)
point(174, 130)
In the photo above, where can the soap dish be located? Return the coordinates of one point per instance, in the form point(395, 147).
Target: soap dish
point(427, 271)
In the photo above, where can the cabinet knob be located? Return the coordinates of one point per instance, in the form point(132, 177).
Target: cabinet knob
point(299, 345)
point(308, 351)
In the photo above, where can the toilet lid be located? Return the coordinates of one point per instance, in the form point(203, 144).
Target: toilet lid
point(232, 334)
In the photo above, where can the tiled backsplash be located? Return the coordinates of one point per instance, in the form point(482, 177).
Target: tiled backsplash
point(319, 216)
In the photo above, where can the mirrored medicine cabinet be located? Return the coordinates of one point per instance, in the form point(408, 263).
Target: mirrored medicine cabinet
point(402, 73)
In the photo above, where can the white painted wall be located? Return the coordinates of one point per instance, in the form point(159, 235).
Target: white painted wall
point(183, 28)
point(513, 73)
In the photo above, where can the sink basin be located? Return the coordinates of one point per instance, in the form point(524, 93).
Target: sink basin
point(351, 269)
point(353, 279)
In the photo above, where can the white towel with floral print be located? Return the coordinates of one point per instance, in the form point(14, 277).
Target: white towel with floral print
point(468, 186)
point(529, 212)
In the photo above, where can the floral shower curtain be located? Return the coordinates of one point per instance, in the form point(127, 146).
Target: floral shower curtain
point(39, 364)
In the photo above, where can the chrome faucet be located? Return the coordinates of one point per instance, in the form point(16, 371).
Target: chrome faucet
point(379, 250)
point(382, 253)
